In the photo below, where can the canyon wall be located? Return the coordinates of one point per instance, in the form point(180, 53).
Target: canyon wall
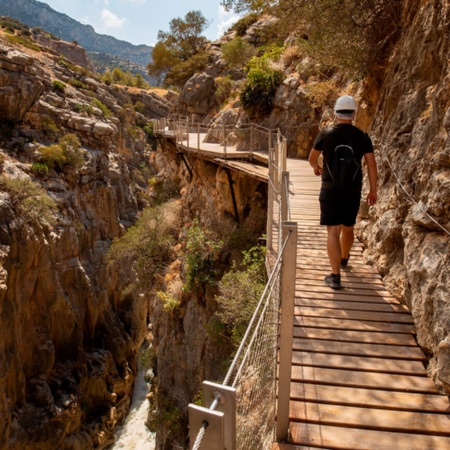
point(405, 233)
point(69, 330)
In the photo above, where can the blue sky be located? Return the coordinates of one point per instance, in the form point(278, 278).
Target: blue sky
point(138, 21)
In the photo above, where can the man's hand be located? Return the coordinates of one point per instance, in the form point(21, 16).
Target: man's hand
point(318, 171)
point(371, 198)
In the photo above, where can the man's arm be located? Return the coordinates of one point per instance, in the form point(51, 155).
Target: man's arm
point(373, 175)
point(313, 161)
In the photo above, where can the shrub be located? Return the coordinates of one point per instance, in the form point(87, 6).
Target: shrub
point(66, 153)
point(78, 84)
point(52, 156)
point(237, 52)
point(23, 41)
point(320, 93)
point(139, 107)
point(59, 86)
point(260, 89)
point(147, 246)
point(239, 292)
point(224, 88)
point(84, 108)
point(201, 252)
point(102, 107)
point(170, 304)
point(29, 200)
point(49, 125)
point(39, 169)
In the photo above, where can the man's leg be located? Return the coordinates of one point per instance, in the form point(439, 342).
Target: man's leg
point(347, 239)
point(334, 248)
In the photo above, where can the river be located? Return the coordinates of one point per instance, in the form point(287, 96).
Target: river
point(133, 434)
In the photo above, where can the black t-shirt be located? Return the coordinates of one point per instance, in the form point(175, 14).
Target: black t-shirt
point(342, 134)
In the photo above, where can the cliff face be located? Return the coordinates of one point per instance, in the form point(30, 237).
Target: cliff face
point(188, 348)
point(411, 128)
point(69, 333)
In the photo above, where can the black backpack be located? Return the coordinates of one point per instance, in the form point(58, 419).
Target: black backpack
point(344, 167)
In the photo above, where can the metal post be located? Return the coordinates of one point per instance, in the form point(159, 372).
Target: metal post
point(288, 270)
point(270, 207)
point(284, 196)
point(251, 139)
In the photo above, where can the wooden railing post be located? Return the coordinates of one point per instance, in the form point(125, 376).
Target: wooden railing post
point(198, 137)
point(284, 197)
point(287, 291)
point(187, 132)
point(224, 140)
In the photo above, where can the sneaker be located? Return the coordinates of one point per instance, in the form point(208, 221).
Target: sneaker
point(344, 261)
point(333, 281)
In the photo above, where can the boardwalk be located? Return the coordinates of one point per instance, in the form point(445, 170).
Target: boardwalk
point(358, 376)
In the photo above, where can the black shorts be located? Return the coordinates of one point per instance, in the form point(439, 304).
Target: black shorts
point(339, 207)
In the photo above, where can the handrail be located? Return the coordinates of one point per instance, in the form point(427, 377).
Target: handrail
point(216, 424)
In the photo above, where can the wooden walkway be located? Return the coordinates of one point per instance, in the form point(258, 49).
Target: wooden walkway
point(358, 376)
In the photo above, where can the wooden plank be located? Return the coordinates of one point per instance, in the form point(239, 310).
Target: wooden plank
point(354, 306)
point(369, 398)
point(343, 324)
point(359, 349)
point(354, 315)
point(372, 419)
point(395, 366)
point(343, 296)
point(355, 336)
point(358, 439)
point(372, 380)
point(321, 287)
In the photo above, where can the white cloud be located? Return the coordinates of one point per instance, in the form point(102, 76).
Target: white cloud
point(226, 20)
point(110, 20)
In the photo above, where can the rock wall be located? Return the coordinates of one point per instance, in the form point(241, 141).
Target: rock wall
point(69, 331)
point(411, 128)
point(188, 349)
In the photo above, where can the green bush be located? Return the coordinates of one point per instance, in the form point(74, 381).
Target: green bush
point(23, 41)
point(59, 86)
point(239, 292)
point(224, 88)
point(147, 246)
point(66, 153)
point(170, 304)
point(84, 108)
point(201, 253)
point(237, 52)
point(78, 84)
point(29, 200)
point(39, 169)
point(102, 107)
point(260, 88)
point(49, 125)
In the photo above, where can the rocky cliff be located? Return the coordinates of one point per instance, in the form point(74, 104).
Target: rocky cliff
point(69, 332)
point(38, 14)
point(408, 232)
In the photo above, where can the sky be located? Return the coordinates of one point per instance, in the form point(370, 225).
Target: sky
point(138, 21)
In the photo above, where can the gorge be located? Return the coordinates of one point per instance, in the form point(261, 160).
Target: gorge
point(72, 319)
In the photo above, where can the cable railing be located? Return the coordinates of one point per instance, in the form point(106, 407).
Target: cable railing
point(250, 408)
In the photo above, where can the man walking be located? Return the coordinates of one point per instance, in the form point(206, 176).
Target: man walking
point(343, 146)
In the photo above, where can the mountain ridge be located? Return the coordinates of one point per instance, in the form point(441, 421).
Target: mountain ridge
point(39, 14)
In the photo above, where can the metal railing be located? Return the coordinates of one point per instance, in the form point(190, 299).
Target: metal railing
point(240, 412)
